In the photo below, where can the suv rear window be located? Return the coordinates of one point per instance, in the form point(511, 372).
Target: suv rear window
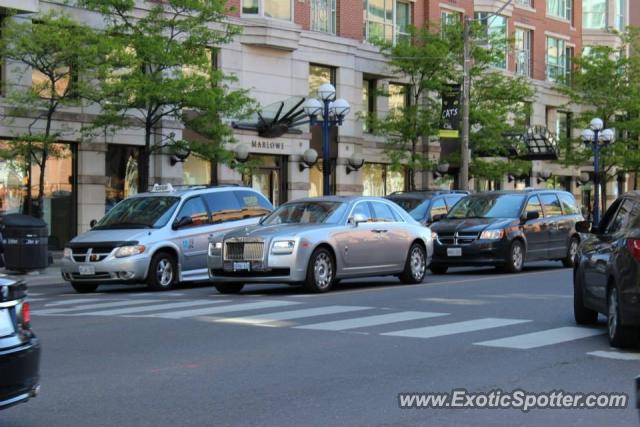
point(234, 205)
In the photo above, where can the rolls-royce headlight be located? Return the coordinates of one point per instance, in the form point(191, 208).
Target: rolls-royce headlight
point(215, 248)
point(283, 247)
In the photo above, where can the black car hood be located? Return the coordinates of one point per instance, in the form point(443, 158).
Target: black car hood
point(470, 225)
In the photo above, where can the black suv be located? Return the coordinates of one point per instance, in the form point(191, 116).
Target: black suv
point(507, 228)
point(606, 276)
point(19, 348)
point(426, 205)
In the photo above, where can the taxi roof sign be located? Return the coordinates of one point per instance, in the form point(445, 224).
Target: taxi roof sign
point(162, 188)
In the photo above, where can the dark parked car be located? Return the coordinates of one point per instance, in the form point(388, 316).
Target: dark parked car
point(19, 348)
point(423, 206)
point(606, 276)
point(507, 228)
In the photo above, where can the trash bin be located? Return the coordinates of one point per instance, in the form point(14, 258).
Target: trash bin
point(25, 242)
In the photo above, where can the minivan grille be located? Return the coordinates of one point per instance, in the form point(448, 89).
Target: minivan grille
point(457, 238)
point(92, 252)
point(243, 250)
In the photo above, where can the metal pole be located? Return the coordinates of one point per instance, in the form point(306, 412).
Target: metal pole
point(326, 163)
point(463, 176)
point(596, 179)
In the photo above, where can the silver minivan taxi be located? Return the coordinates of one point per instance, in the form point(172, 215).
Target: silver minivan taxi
point(159, 238)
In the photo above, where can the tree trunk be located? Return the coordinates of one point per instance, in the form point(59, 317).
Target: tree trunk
point(26, 208)
point(43, 164)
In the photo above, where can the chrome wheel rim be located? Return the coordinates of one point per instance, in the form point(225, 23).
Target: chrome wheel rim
point(516, 256)
point(612, 318)
point(164, 273)
point(322, 270)
point(418, 265)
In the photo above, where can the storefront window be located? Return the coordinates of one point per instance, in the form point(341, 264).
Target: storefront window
point(122, 172)
point(268, 177)
point(196, 171)
point(58, 209)
point(379, 180)
point(398, 96)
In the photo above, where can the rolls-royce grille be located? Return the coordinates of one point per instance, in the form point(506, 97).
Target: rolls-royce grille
point(457, 238)
point(243, 251)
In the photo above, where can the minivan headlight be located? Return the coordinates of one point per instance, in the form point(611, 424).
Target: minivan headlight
point(125, 251)
point(283, 247)
point(67, 253)
point(215, 248)
point(492, 234)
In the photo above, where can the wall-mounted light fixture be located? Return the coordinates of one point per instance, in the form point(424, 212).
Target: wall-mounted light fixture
point(354, 164)
point(309, 159)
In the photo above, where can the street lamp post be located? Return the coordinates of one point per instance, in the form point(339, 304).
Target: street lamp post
point(597, 138)
point(332, 111)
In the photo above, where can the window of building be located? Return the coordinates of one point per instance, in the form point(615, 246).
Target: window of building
point(594, 14)
point(495, 31)
point(556, 59)
point(561, 9)
point(323, 16)
point(527, 3)
point(398, 96)
point(386, 20)
point(523, 47)
point(122, 173)
point(41, 84)
point(368, 102)
point(379, 180)
point(621, 15)
point(319, 75)
point(563, 125)
point(196, 171)
point(449, 19)
point(268, 178)
point(277, 9)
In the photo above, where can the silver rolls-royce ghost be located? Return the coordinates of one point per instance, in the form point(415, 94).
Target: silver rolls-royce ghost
point(318, 241)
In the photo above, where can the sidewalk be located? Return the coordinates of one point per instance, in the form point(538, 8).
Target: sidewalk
point(50, 275)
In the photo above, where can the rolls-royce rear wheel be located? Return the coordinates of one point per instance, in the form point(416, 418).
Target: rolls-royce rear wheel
point(415, 267)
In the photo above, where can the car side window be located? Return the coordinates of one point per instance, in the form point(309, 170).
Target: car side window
point(569, 204)
point(452, 200)
point(382, 212)
point(196, 210)
point(362, 208)
point(533, 204)
point(224, 206)
point(551, 205)
point(438, 207)
point(621, 220)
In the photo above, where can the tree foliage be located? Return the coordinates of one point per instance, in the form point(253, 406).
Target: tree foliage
point(160, 68)
point(54, 51)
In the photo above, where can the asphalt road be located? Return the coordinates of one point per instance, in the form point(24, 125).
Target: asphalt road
point(275, 356)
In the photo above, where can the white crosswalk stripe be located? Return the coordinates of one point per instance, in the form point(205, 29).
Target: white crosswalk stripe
point(154, 307)
point(261, 319)
point(455, 328)
point(619, 355)
point(543, 338)
point(219, 310)
point(73, 301)
point(54, 311)
point(361, 322)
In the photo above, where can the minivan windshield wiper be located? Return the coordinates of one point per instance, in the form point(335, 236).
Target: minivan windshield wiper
point(122, 225)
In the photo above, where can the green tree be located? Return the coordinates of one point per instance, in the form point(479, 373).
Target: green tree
point(59, 55)
point(160, 68)
point(430, 60)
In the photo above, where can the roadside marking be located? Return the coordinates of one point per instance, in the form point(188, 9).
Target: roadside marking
point(154, 307)
point(619, 355)
point(455, 328)
point(29, 299)
point(90, 307)
point(543, 338)
point(261, 319)
point(69, 302)
point(36, 294)
point(361, 322)
point(216, 310)
point(456, 301)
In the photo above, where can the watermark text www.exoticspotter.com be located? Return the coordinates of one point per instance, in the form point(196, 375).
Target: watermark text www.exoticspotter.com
point(516, 399)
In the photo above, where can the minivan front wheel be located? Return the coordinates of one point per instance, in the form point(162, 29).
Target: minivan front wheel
point(163, 272)
point(515, 257)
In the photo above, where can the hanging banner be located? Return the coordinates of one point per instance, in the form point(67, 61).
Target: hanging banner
point(450, 119)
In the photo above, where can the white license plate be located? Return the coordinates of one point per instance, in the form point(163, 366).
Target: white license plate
point(6, 324)
point(241, 266)
point(454, 251)
point(86, 270)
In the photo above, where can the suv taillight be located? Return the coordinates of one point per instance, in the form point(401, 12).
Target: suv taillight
point(25, 314)
point(634, 248)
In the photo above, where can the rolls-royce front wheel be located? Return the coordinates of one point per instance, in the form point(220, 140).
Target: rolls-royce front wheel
point(320, 271)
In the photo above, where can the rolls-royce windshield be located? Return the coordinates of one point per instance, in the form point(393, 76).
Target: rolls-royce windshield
point(316, 212)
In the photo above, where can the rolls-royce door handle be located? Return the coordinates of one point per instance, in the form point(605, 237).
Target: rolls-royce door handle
point(377, 230)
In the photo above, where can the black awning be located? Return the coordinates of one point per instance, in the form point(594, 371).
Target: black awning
point(276, 119)
point(535, 143)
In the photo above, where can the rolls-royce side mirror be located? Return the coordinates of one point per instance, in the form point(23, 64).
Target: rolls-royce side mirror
point(583, 227)
point(357, 219)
